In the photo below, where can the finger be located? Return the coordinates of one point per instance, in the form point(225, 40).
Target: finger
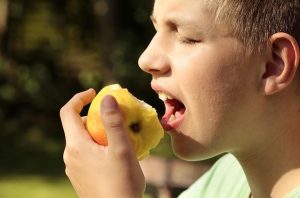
point(113, 122)
point(70, 114)
point(84, 118)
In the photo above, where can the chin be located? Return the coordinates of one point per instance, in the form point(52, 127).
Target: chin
point(188, 149)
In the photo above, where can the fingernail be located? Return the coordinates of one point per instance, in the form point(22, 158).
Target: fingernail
point(109, 103)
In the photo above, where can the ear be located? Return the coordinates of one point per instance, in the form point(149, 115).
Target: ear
point(282, 63)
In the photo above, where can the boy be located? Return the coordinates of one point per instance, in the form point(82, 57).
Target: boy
point(233, 68)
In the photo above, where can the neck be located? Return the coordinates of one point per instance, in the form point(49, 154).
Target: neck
point(273, 169)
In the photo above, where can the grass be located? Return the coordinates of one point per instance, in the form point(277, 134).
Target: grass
point(35, 187)
point(38, 187)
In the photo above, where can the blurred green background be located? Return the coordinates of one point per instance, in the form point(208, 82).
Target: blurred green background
point(49, 50)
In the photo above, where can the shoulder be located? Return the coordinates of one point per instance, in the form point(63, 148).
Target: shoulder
point(225, 179)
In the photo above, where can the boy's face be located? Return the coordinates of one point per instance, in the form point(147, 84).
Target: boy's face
point(205, 69)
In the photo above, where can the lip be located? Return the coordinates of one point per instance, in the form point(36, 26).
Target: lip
point(158, 89)
point(167, 124)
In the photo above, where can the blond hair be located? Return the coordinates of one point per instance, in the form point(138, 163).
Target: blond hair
point(254, 21)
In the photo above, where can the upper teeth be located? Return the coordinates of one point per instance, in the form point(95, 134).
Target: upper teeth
point(164, 96)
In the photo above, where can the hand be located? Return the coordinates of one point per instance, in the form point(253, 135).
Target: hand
point(96, 171)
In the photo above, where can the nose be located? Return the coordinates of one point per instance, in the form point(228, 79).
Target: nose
point(154, 60)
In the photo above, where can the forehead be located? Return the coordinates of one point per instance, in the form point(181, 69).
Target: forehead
point(196, 13)
point(191, 10)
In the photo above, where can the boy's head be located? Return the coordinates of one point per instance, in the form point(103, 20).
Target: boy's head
point(217, 96)
point(254, 21)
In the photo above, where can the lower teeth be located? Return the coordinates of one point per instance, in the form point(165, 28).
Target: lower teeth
point(172, 118)
point(177, 114)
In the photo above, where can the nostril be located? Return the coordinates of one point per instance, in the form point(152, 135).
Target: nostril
point(162, 70)
point(154, 70)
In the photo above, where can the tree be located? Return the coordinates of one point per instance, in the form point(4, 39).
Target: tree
point(52, 49)
point(3, 19)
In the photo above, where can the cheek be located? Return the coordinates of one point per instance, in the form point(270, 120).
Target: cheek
point(213, 86)
point(219, 96)
point(214, 94)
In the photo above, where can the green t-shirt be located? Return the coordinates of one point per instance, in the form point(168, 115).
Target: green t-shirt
point(226, 178)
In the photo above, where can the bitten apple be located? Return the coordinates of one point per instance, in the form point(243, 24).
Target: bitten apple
point(142, 123)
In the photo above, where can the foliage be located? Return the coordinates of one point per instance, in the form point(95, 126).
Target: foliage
point(53, 49)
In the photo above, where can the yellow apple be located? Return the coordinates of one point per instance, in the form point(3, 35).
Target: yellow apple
point(142, 123)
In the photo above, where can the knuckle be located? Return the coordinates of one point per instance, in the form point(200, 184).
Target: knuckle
point(70, 153)
point(113, 120)
point(78, 98)
point(65, 110)
point(73, 151)
point(122, 152)
point(65, 157)
point(62, 111)
point(67, 172)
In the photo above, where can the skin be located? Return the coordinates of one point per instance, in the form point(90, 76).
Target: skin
point(94, 170)
point(187, 46)
point(238, 102)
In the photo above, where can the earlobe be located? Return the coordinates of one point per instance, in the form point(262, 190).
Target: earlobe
point(282, 63)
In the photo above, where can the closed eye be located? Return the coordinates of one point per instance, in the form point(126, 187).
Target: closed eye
point(185, 40)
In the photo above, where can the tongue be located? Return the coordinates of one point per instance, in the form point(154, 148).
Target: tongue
point(174, 111)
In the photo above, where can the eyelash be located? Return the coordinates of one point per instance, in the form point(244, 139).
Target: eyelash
point(189, 41)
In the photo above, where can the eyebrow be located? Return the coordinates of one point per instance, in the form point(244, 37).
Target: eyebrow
point(178, 23)
point(171, 21)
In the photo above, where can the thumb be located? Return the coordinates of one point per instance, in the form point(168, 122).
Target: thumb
point(113, 122)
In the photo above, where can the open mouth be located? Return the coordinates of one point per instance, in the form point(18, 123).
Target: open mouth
point(174, 113)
